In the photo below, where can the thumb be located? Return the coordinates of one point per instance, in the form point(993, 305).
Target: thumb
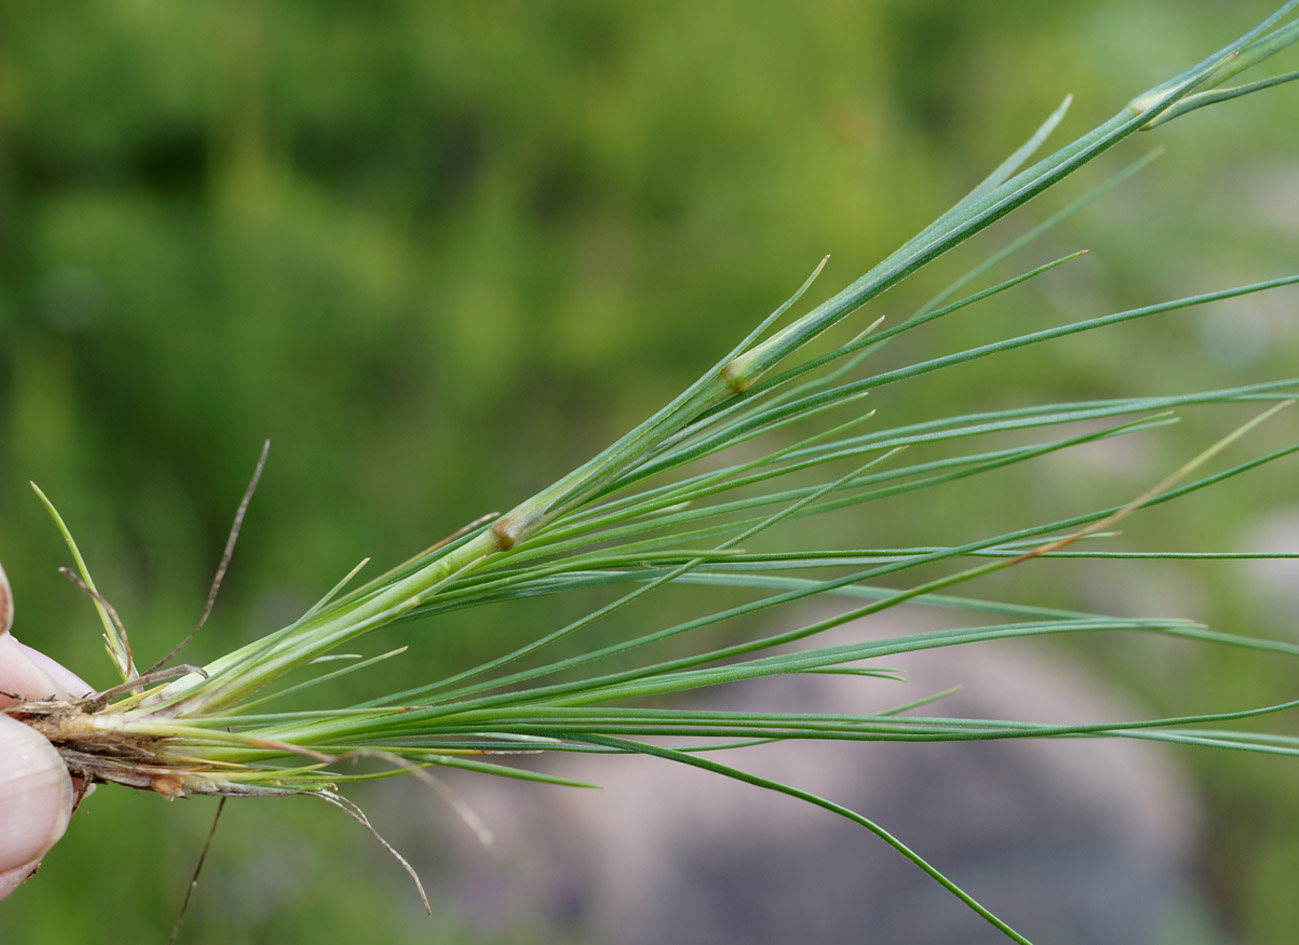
point(35, 800)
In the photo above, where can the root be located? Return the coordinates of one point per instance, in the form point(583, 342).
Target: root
point(350, 808)
point(198, 869)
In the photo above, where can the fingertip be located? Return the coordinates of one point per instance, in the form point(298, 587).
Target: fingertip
point(35, 798)
point(30, 673)
point(67, 682)
point(6, 602)
point(12, 879)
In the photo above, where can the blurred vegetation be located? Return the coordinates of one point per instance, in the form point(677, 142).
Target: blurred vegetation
point(440, 252)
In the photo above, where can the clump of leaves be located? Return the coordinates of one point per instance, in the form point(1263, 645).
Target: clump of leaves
point(675, 502)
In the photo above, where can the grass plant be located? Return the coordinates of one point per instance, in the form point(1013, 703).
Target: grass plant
point(775, 430)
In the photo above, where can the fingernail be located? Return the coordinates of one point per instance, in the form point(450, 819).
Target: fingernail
point(35, 794)
point(6, 602)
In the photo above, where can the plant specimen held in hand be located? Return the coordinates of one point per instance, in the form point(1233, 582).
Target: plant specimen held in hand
point(678, 501)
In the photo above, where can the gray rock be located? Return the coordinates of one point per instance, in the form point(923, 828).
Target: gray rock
point(1073, 842)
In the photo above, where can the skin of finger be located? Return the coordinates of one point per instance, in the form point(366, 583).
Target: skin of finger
point(36, 795)
point(27, 672)
point(66, 682)
point(12, 879)
point(6, 602)
point(20, 675)
point(30, 673)
point(43, 798)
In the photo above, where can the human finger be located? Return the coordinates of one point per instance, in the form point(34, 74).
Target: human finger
point(36, 797)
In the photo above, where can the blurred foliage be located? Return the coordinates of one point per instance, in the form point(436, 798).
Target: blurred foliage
point(440, 252)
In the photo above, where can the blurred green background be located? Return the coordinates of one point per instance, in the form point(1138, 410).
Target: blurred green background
point(440, 252)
